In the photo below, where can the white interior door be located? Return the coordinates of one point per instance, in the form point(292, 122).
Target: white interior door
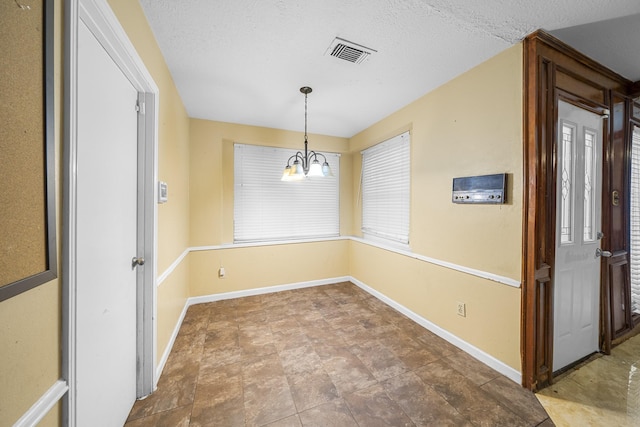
point(106, 173)
point(578, 220)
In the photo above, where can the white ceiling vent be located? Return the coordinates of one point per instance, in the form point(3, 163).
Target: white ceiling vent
point(349, 51)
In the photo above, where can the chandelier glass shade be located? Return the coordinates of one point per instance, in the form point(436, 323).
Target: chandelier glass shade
point(300, 166)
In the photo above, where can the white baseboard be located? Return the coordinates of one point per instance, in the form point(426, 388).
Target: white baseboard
point(51, 397)
point(483, 357)
point(48, 400)
point(266, 290)
point(172, 340)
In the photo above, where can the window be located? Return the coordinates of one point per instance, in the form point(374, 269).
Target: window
point(590, 172)
point(635, 221)
point(386, 190)
point(567, 171)
point(266, 208)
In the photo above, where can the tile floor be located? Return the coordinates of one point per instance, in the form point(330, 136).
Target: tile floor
point(603, 392)
point(324, 356)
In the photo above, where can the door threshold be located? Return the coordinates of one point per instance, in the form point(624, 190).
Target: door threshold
point(629, 334)
point(561, 373)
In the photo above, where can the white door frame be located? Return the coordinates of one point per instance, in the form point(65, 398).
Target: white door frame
point(102, 22)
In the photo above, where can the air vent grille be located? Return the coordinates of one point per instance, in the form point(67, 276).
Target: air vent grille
point(342, 51)
point(349, 51)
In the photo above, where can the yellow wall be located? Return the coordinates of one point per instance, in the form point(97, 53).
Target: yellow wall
point(211, 173)
point(211, 178)
point(469, 126)
point(262, 266)
point(30, 323)
point(29, 349)
point(171, 298)
point(173, 168)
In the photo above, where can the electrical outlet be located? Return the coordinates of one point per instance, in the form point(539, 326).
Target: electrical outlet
point(462, 309)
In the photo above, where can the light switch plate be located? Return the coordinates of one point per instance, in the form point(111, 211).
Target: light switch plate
point(163, 192)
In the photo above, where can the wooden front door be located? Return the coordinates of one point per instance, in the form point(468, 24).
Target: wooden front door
point(555, 71)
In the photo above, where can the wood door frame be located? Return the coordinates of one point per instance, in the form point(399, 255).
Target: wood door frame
point(100, 19)
point(553, 69)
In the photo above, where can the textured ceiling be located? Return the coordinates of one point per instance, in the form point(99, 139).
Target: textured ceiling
point(243, 61)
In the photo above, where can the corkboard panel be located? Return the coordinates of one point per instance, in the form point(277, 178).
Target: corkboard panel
point(24, 240)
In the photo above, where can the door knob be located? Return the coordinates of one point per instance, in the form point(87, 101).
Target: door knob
point(135, 261)
point(600, 252)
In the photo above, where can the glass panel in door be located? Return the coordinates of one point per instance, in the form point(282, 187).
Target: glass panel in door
point(589, 225)
point(567, 178)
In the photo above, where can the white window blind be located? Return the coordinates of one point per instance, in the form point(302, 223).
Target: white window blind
point(266, 208)
point(386, 190)
point(634, 222)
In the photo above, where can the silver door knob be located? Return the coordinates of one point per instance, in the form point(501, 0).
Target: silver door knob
point(135, 261)
point(605, 254)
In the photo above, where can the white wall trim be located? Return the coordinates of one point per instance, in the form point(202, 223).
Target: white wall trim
point(483, 357)
point(270, 243)
point(265, 290)
point(446, 264)
point(173, 266)
point(475, 352)
point(48, 400)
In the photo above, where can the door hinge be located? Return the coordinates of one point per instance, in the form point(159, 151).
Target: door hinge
point(140, 107)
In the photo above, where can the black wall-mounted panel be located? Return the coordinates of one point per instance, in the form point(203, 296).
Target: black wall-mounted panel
point(487, 189)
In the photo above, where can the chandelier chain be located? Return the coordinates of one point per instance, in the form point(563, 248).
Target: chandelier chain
point(307, 164)
point(305, 117)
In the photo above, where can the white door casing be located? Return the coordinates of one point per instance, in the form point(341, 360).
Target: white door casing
point(578, 224)
point(97, 18)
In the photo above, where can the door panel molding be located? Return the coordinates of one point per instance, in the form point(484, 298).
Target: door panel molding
point(618, 272)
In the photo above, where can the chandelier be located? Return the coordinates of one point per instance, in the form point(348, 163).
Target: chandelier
point(307, 165)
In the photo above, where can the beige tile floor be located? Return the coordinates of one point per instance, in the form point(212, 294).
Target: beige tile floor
point(603, 392)
point(324, 356)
